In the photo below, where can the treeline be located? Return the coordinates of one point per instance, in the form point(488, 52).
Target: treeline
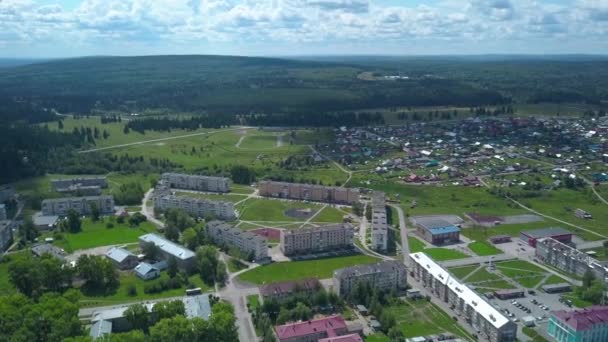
point(24, 112)
point(314, 119)
point(191, 124)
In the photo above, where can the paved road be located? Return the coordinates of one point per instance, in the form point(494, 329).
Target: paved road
point(88, 312)
point(148, 212)
point(405, 246)
point(475, 260)
point(160, 139)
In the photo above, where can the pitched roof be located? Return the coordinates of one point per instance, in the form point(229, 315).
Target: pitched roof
point(289, 286)
point(345, 338)
point(546, 232)
point(380, 267)
point(144, 268)
point(583, 319)
point(168, 247)
point(118, 254)
point(327, 324)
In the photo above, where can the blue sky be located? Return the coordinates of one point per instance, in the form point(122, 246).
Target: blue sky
point(60, 28)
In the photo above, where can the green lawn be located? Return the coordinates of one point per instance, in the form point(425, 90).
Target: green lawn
point(516, 267)
point(329, 215)
point(482, 275)
point(579, 303)
point(493, 285)
point(483, 233)
point(377, 337)
point(535, 336)
point(422, 318)
point(127, 279)
point(261, 141)
point(415, 244)
point(529, 282)
point(463, 271)
point(214, 197)
point(442, 254)
point(318, 268)
point(253, 301)
point(483, 248)
point(553, 279)
point(272, 210)
point(235, 265)
point(95, 234)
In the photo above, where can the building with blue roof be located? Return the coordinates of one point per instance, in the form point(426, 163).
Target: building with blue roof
point(437, 231)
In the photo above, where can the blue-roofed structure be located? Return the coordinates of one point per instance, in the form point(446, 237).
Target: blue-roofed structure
point(183, 256)
point(146, 271)
point(100, 328)
point(437, 231)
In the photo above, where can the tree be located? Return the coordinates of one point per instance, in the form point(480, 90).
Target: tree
point(53, 275)
point(171, 233)
point(170, 309)
point(98, 272)
point(25, 276)
point(60, 124)
point(151, 251)
point(172, 268)
point(395, 335)
point(73, 223)
point(588, 279)
point(241, 174)
point(207, 263)
point(221, 275)
point(94, 212)
point(131, 336)
point(28, 231)
point(177, 328)
point(138, 316)
point(190, 238)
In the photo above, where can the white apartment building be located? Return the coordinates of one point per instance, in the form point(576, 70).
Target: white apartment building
point(568, 259)
point(483, 317)
point(308, 192)
point(196, 206)
point(385, 276)
point(317, 239)
point(223, 233)
point(195, 182)
point(379, 224)
point(82, 205)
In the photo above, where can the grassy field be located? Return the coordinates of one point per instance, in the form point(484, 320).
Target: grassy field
point(253, 301)
point(95, 234)
point(271, 210)
point(330, 215)
point(318, 268)
point(463, 271)
point(483, 248)
point(214, 197)
point(483, 233)
point(126, 280)
point(524, 273)
point(415, 244)
point(553, 279)
point(442, 254)
point(422, 318)
point(491, 286)
point(482, 275)
point(235, 265)
point(534, 336)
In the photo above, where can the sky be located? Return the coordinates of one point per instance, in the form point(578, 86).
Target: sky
point(67, 28)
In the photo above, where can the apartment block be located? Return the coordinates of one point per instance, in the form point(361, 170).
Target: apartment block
point(6, 235)
point(568, 259)
point(222, 233)
point(379, 224)
point(83, 186)
point(590, 324)
point(318, 239)
point(196, 182)
point(468, 305)
point(196, 206)
point(313, 330)
point(308, 192)
point(384, 276)
point(184, 256)
point(82, 205)
point(283, 290)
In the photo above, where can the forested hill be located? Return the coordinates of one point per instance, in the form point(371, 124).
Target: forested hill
point(220, 84)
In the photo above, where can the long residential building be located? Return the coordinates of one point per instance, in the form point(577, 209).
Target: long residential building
point(196, 206)
point(313, 330)
point(590, 324)
point(249, 243)
point(308, 192)
point(317, 239)
point(90, 186)
point(185, 258)
point(379, 225)
point(482, 316)
point(285, 289)
point(568, 259)
point(196, 182)
point(384, 276)
point(82, 205)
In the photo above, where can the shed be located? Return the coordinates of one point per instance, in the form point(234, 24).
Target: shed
point(528, 321)
point(362, 310)
point(146, 271)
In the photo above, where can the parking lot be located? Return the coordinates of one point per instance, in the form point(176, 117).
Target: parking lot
point(545, 303)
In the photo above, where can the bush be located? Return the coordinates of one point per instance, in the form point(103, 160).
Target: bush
point(132, 291)
point(109, 225)
point(120, 219)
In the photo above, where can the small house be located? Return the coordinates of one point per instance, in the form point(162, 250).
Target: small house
point(122, 258)
point(146, 271)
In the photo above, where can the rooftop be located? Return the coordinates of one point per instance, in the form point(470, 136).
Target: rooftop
point(144, 268)
point(345, 338)
point(328, 227)
point(118, 254)
point(47, 248)
point(583, 319)
point(328, 324)
point(432, 222)
point(289, 286)
point(168, 247)
point(467, 295)
point(546, 232)
point(444, 230)
point(41, 220)
point(380, 267)
point(100, 328)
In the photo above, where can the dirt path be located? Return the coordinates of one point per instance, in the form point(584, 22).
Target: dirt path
point(338, 165)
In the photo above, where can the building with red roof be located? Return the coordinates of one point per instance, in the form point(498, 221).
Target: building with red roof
point(590, 324)
point(313, 330)
point(282, 290)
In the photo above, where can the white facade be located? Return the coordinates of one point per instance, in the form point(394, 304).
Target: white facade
point(318, 239)
point(196, 182)
point(379, 224)
point(385, 275)
point(196, 207)
point(82, 205)
point(247, 242)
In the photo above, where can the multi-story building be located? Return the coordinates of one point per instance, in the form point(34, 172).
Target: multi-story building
point(384, 276)
point(483, 317)
point(196, 206)
point(2, 212)
point(379, 225)
point(437, 231)
point(196, 182)
point(282, 290)
point(313, 330)
point(82, 186)
point(7, 193)
point(183, 256)
point(531, 237)
point(308, 192)
point(82, 205)
point(590, 324)
point(317, 239)
point(248, 243)
point(568, 259)
point(6, 234)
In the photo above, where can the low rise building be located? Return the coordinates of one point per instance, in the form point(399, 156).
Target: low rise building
point(47, 248)
point(122, 258)
point(379, 224)
point(531, 237)
point(308, 192)
point(282, 290)
point(345, 338)
point(313, 330)
point(168, 249)
point(568, 259)
point(82, 205)
point(196, 206)
point(483, 317)
point(195, 182)
point(590, 324)
point(437, 231)
point(248, 243)
point(6, 235)
point(317, 239)
point(384, 276)
point(146, 271)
